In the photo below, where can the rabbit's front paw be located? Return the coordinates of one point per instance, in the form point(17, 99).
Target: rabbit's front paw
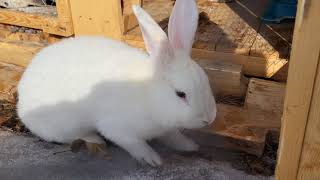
point(140, 150)
point(178, 141)
point(147, 155)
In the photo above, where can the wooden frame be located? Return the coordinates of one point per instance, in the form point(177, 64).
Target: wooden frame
point(60, 25)
point(299, 153)
point(109, 18)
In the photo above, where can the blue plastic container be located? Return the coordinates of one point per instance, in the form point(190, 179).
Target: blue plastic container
point(278, 10)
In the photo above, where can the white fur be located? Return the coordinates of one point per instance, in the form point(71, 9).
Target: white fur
point(80, 86)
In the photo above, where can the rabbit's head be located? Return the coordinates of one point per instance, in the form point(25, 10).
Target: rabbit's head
point(184, 97)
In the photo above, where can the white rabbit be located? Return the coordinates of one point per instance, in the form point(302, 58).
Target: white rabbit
point(82, 86)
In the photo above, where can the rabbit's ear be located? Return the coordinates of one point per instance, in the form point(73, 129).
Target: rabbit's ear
point(156, 40)
point(183, 25)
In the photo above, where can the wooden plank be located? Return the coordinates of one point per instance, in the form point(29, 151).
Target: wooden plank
point(159, 10)
point(208, 32)
point(8, 35)
point(18, 53)
point(129, 19)
point(9, 78)
point(129, 22)
point(160, 16)
point(102, 18)
point(239, 128)
point(309, 167)
point(64, 15)
point(239, 27)
point(233, 131)
point(267, 95)
point(282, 74)
point(226, 79)
point(302, 72)
point(254, 66)
point(48, 24)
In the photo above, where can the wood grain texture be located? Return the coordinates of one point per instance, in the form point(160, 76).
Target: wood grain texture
point(18, 53)
point(64, 16)
point(234, 124)
point(301, 81)
point(254, 66)
point(309, 167)
point(226, 79)
point(267, 95)
point(129, 19)
point(48, 23)
point(239, 27)
point(9, 78)
point(209, 31)
point(8, 35)
point(102, 18)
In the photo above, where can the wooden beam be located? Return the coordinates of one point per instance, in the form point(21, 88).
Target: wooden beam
point(9, 78)
point(238, 128)
point(226, 79)
point(64, 15)
point(49, 24)
point(254, 66)
point(18, 53)
point(310, 156)
point(300, 84)
point(309, 167)
point(102, 18)
point(267, 95)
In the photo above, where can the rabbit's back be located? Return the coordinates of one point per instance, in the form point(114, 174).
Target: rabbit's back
point(69, 70)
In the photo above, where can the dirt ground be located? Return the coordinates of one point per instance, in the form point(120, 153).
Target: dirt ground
point(246, 163)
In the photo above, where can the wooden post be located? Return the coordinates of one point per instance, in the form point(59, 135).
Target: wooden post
point(98, 17)
point(64, 15)
point(299, 150)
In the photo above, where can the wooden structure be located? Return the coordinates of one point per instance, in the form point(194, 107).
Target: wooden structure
point(60, 24)
point(299, 153)
point(238, 36)
point(226, 47)
point(231, 44)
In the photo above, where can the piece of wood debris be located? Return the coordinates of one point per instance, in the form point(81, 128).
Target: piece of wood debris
point(21, 3)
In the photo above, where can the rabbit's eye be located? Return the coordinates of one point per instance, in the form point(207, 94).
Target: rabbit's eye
point(181, 94)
